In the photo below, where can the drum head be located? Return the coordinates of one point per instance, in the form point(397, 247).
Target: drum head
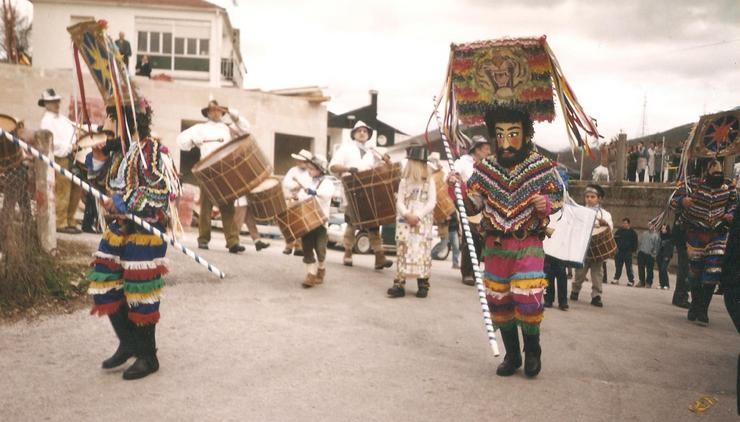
point(91, 139)
point(82, 154)
point(8, 123)
point(265, 185)
point(218, 154)
point(598, 230)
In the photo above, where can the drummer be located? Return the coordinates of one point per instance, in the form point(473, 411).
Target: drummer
point(315, 241)
point(357, 155)
point(296, 177)
point(479, 149)
point(209, 136)
point(594, 194)
point(66, 194)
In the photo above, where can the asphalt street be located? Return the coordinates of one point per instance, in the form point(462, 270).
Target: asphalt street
point(256, 346)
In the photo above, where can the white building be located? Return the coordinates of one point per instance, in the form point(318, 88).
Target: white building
point(189, 40)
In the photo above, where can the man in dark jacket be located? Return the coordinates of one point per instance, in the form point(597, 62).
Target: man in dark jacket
point(626, 238)
point(124, 47)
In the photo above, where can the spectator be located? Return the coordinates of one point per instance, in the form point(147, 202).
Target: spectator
point(600, 174)
point(651, 163)
point(453, 240)
point(642, 162)
point(626, 239)
point(124, 47)
point(647, 251)
point(632, 164)
point(144, 68)
point(664, 255)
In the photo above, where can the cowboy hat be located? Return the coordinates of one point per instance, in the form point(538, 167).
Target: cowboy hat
point(319, 162)
point(212, 104)
point(47, 96)
point(477, 141)
point(303, 155)
point(361, 124)
point(418, 153)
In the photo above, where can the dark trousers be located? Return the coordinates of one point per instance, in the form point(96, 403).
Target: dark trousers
point(555, 273)
point(314, 241)
point(645, 263)
point(626, 259)
point(466, 266)
point(90, 217)
point(663, 262)
point(681, 294)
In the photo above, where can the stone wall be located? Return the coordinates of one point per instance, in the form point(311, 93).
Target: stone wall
point(639, 202)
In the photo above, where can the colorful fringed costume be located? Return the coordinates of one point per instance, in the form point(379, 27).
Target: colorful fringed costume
point(129, 264)
point(513, 254)
point(706, 230)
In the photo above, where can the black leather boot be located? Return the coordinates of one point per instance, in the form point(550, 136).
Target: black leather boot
point(702, 315)
point(397, 290)
point(513, 358)
point(695, 305)
point(146, 353)
point(124, 331)
point(423, 289)
point(532, 353)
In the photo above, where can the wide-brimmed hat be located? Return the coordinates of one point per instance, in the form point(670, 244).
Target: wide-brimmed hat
point(303, 155)
point(47, 96)
point(320, 162)
point(476, 142)
point(358, 125)
point(211, 104)
point(418, 153)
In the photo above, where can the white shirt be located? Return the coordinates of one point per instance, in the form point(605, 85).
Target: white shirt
point(600, 174)
point(350, 155)
point(464, 166)
point(324, 187)
point(415, 205)
point(289, 183)
point(62, 131)
point(210, 135)
point(603, 214)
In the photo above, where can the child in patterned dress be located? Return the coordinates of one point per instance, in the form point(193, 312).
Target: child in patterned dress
point(414, 208)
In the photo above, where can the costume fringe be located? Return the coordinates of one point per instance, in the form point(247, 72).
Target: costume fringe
point(113, 239)
point(144, 319)
point(528, 286)
point(103, 287)
point(143, 287)
point(531, 329)
point(101, 276)
point(110, 257)
point(135, 299)
point(105, 308)
point(144, 239)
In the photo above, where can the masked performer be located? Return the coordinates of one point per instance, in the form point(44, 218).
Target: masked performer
point(706, 205)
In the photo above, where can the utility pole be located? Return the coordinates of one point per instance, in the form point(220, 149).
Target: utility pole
point(644, 115)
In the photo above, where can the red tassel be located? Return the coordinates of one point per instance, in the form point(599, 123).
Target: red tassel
point(144, 319)
point(107, 263)
point(148, 274)
point(105, 309)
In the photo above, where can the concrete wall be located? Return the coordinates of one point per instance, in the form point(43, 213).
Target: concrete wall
point(172, 102)
point(639, 202)
point(52, 46)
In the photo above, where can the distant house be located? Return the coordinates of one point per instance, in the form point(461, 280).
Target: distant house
point(339, 125)
point(188, 40)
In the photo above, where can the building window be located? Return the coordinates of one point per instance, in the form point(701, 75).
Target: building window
point(174, 45)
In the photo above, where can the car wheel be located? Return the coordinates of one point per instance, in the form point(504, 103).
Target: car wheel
point(362, 243)
point(440, 251)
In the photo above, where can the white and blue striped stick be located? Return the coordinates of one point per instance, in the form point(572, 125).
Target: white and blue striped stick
point(87, 188)
point(469, 239)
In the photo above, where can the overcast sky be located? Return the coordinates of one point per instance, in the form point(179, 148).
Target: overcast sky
point(681, 55)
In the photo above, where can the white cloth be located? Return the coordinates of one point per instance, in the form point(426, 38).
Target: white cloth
point(600, 174)
point(465, 166)
point(289, 183)
point(324, 187)
point(651, 161)
point(415, 205)
point(210, 135)
point(62, 130)
point(350, 155)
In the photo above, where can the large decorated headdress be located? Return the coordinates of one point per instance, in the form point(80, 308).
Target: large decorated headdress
point(516, 73)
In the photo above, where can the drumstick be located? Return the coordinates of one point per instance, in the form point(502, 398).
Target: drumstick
point(96, 193)
point(469, 239)
point(212, 140)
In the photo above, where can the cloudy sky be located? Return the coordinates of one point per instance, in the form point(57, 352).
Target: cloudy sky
point(682, 56)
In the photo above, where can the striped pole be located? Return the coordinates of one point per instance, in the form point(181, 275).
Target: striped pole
point(87, 188)
point(469, 239)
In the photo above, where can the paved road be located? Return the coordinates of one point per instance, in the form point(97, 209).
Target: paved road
point(258, 347)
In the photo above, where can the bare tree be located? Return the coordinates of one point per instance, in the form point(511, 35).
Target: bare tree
point(15, 35)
